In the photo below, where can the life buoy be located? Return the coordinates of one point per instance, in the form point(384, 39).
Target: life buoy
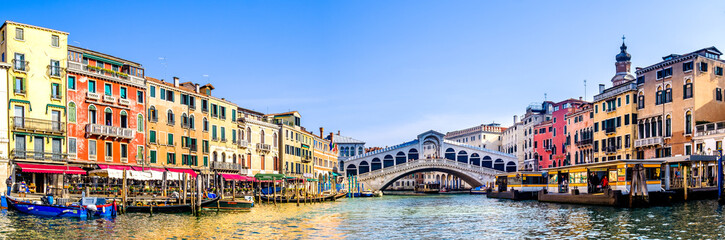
point(138, 204)
point(154, 204)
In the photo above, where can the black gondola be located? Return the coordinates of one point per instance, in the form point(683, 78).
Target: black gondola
point(177, 208)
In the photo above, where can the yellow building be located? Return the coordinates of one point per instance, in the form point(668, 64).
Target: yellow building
point(37, 100)
point(324, 156)
point(258, 141)
point(223, 149)
point(615, 114)
point(177, 132)
point(295, 145)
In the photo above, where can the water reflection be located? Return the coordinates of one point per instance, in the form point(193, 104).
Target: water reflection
point(392, 217)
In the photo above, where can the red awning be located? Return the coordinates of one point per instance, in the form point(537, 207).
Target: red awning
point(251, 179)
point(149, 168)
point(115, 167)
point(232, 177)
point(58, 169)
point(177, 170)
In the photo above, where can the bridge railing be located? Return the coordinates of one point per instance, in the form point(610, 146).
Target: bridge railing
point(478, 148)
point(416, 163)
point(405, 144)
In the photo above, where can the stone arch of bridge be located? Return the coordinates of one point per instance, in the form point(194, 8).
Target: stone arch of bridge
point(471, 180)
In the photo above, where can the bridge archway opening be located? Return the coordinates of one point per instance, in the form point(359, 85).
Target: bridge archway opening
point(471, 181)
point(487, 162)
point(475, 159)
point(413, 154)
point(463, 156)
point(450, 154)
point(376, 164)
point(431, 147)
point(351, 169)
point(388, 161)
point(499, 165)
point(510, 167)
point(364, 167)
point(399, 158)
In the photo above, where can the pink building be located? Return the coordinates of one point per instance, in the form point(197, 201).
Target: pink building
point(580, 134)
point(550, 137)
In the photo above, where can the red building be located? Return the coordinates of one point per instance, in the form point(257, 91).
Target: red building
point(550, 137)
point(105, 108)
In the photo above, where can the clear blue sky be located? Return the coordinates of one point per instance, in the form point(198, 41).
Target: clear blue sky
point(384, 71)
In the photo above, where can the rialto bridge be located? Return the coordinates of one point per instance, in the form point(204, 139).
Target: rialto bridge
point(476, 166)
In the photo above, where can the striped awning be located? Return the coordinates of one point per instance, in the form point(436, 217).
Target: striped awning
point(57, 169)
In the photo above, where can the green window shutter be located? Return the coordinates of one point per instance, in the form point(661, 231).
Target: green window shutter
point(171, 139)
point(206, 161)
point(152, 136)
point(152, 156)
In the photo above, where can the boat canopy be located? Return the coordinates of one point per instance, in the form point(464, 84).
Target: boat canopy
point(269, 176)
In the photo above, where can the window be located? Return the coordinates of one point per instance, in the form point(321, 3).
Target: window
point(152, 136)
point(223, 111)
point(54, 41)
point(668, 126)
point(139, 96)
point(686, 67)
point(91, 86)
point(109, 150)
point(72, 82)
point(205, 146)
point(169, 96)
point(71, 112)
point(124, 150)
point(162, 93)
point(664, 73)
point(124, 119)
point(205, 125)
point(668, 94)
point(626, 119)
point(19, 62)
point(170, 117)
point(688, 122)
point(108, 89)
point(687, 90)
point(152, 91)
point(640, 80)
point(191, 122)
point(703, 67)
point(718, 71)
point(171, 158)
point(152, 156)
point(54, 68)
point(72, 146)
point(19, 34)
point(123, 93)
point(204, 105)
point(626, 99)
point(109, 117)
point(640, 101)
point(223, 133)
point(92, 149)
point(55, 91)
point(19, 85)
point(213, 133)
point(718, 94)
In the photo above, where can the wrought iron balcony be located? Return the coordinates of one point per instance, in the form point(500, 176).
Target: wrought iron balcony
point(54, 71)
point(243, 144)
point(610, 130)
point(306, 159)
point(648, 142)
point(39, 155)
point(264, 147)
point(611, 149)
point(708, 129)
point(104, 73)
point(226, 166)
point(110, 131)
point(584, 142)
point(21, 66)
point(20, 91)
point(37, 125)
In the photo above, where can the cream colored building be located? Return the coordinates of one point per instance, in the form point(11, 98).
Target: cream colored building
point(487, 136)
point(4, 147)
point(258, 141)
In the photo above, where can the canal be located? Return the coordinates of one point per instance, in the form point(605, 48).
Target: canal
point(397, 217)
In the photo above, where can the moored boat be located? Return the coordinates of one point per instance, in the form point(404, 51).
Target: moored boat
point(479, 190)
point(47, 210)
point(522, 185)
point(163, 208)
point(427, 188)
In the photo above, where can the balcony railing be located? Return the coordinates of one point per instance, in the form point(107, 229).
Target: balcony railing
point(648, 141)
point(38, 155)
point(708, 129)
point(264, 147)
point(548, 148)
point(40, 125)
point(610, 149)
point(226, 166)
point(54, 71)
point(110, 131)
point(20, 91)
point(306, 159)
point(94, 96)
point(610, 130)
point(104, 73)
point(107, 98)
point(243, 144)
point(584, 142)
point(123, 101)
point(20, 65)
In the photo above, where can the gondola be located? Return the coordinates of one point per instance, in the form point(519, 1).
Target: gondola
point(240, 204)
point(47, 210)
point(177, 208)
point(479, 190)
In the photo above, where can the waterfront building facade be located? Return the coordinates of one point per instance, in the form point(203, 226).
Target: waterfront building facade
point(324, 156)
point(4, 133)
point(223, 131)
point(348, 147)
point(535, 113)
point(674, 95)
point(708, 138)
point(615, 114)
point(178, 124)
point(258, 142)
point(36, 111)
point(579, 134)
point(296, 159)
point(105, 109)
point(512, 142)
point(487, 136)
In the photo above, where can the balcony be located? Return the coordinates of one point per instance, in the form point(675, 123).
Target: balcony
point(610, 130)
point(110, 131)
point(584, 142)
point(94, 96)
point(215, 138)
point(110, 99)
point(648, 142)
point(548, 148)
point(105, 74)
point(226, 166)
point(709, 129)
point(37, 125)
point(20, 91)
point(41, 156)
point(20, 66)
point(610, 149)
point(243, 144)
point(54, 71)
point(123, 101)
point(306, 159)
point(264, 147)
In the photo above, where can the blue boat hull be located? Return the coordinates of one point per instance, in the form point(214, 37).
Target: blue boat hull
point(48, 210)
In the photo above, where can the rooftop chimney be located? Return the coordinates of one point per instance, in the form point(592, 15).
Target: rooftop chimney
point(601, 88)
point(580, 98)
point(176, 82)
point(338, 132)
point(197, 87)
point(515, 119)
point(331, 136)
point(322, 132)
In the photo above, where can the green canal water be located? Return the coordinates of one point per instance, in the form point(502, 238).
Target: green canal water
point(392, 217)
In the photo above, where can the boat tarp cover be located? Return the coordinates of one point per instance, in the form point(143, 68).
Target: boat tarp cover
point(268, 176)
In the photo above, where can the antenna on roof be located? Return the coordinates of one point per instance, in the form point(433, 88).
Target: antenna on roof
point(544, 97)
point(585, 89)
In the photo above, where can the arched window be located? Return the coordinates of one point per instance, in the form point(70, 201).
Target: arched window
point(274, 139)
point(224, 157)
point(640, 100)
point(687, 89)
point(139, 123)
point(659, 96)
point(214, 157)
point(668, 126)
point(71, 112)
point(234, 158)
point(688, 122)
point(92, 118)
point(205, 124)
point(170, 117)
point(261, 136)
point(241, 135)
point(191, 121)
point(124, 119)
point(108, 116)
point(668, 94)
point(153, 115)
point(184, 120)
point(249, 135)
point(360, 150)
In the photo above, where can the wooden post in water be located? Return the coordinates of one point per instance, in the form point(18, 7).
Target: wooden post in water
point(297, 194)
point(274, 189)
point(125, 190)
point(183, 189)
point(234, 190)
point(199, 196)
point(684, 179)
